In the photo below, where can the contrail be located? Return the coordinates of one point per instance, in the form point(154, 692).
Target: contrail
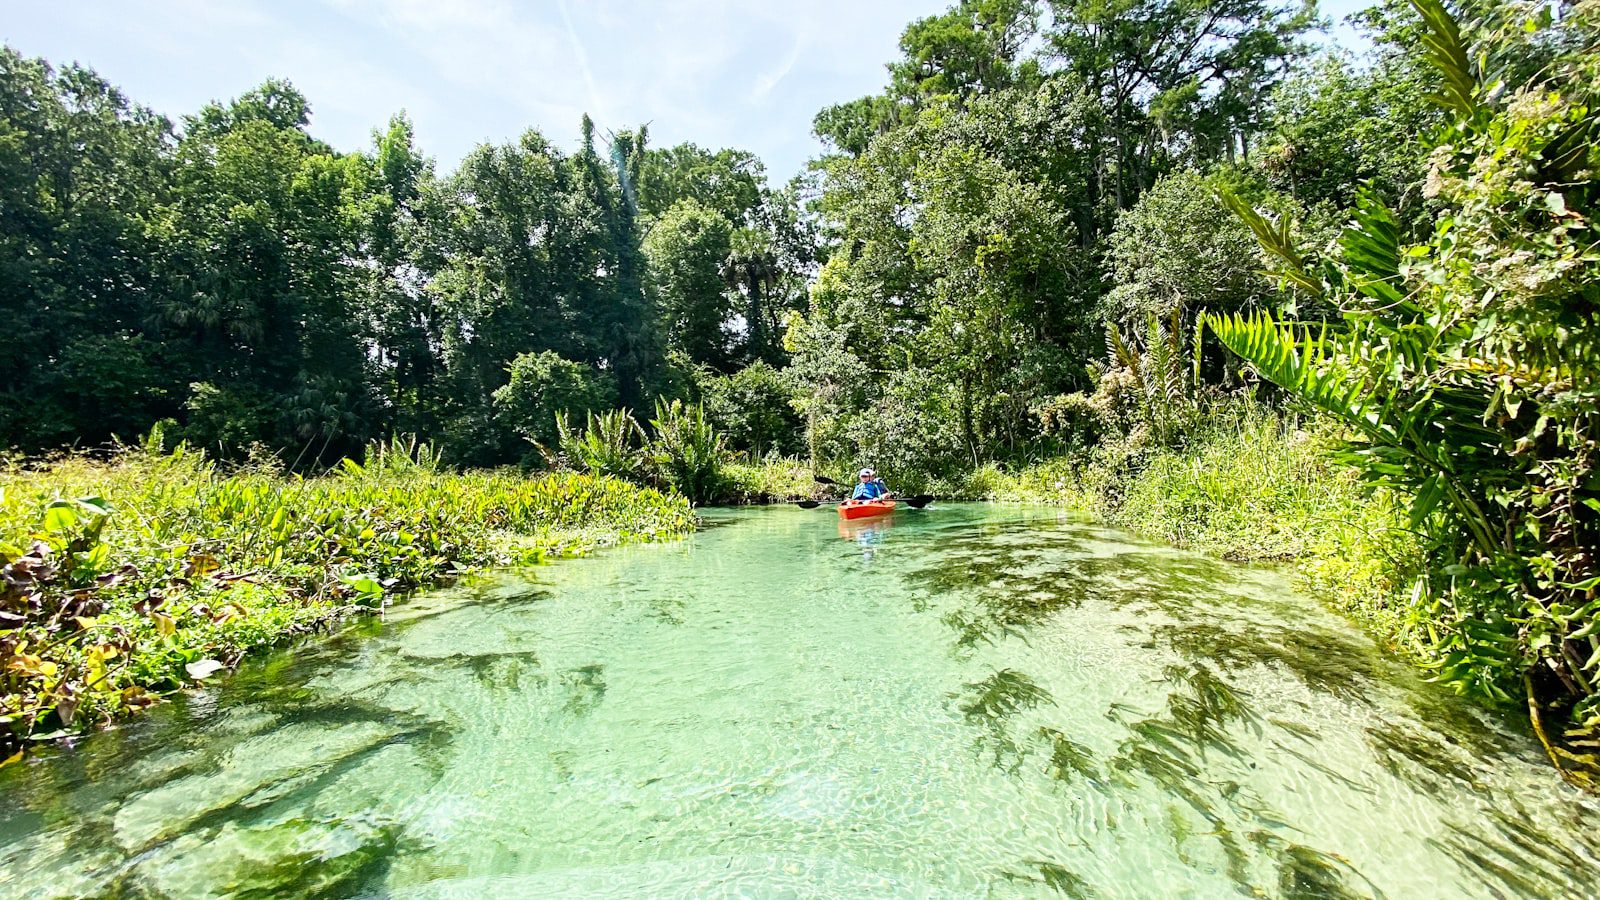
point(583, 62)
point(770, 80)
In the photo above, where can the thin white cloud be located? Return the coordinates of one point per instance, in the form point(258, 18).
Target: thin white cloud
point(770, 80)
point(721, 73)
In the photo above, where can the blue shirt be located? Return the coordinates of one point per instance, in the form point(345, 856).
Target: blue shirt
point(872, 490)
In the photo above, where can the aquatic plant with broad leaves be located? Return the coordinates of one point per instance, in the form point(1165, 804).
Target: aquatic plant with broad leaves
point(1467, 370)
point(124, 580)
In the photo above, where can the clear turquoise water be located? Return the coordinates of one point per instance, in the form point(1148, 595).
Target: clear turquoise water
point(973, 701)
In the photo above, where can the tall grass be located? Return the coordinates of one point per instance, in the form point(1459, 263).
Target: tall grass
point(126, 579)
point(1252, 486)
point(767, 479)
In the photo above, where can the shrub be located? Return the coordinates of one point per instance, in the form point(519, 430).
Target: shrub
point(543, 386)
point(753, 408)
point(687, 452)
point(224, 420)
point(1177, 250)
point(612, 444)
point(1072, 420)
point(911, 434)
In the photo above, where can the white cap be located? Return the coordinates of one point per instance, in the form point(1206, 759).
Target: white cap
point(865, 473)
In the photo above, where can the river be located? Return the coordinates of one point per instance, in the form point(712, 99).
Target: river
point(964, 701)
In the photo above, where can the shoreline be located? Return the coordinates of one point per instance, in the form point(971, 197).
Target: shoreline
point(131, 579)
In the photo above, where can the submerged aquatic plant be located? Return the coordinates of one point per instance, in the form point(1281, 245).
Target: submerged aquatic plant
point(1002, 695)
point(1054, 876)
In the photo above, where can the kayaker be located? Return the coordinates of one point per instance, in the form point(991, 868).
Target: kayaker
point(869, 486)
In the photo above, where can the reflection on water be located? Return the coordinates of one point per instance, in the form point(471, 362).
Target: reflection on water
point(982, 702)
point(868, 534)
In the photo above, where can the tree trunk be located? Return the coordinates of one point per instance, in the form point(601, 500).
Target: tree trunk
point(966, 418)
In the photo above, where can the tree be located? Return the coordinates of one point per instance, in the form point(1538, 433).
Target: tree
point(259, 279)
point(950, 299)
point(973, 48)
point(543, 387)
point(1178, 252)
point(1175, 80)
point(851, 126)
point(613, 281)
point(727, 181)
point(402, 316)
point(536, 251)
point(687, 249)
point(1333, 128)
point(751, 271)
point(753, 408)
point(80, 172)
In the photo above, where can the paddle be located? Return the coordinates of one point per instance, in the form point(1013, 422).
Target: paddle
point(916, 502)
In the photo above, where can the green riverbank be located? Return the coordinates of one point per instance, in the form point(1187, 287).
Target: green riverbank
point(128, 579)
point(1256, 487)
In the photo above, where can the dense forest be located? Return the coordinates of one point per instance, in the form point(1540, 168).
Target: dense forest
point(242, 280)
point(1066, 233)
point(977, 226)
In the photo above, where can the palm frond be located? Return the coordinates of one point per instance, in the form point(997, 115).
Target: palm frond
point(1277, 239)
point(1445, 50)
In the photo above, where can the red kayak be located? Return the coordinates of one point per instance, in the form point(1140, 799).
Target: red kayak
point(862, 509)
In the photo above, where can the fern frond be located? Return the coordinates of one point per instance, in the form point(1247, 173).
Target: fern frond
point(1177, 386)
point(1370, 257)
point(1199, 352)
point(1123, 353)
point(1294, 359)
point(1158, 363)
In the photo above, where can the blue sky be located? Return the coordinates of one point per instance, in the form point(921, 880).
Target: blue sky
point(717, 72)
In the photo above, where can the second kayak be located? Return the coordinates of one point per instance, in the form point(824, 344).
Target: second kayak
point(861, 509)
